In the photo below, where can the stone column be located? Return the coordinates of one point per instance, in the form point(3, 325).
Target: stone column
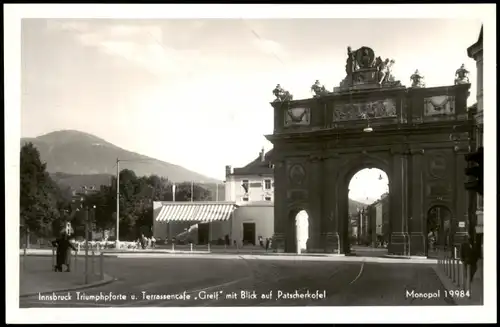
point(330, 218)
point(316, 182)
point(398, 198)
point(280, 212)
point(417, 230)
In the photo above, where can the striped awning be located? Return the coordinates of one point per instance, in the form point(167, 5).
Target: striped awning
point(195, 212)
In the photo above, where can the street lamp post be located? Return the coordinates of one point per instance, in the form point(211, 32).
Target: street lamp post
point(117, 246)
point(118, 160)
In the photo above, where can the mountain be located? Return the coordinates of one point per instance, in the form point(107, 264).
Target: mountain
point(355, 205)
point(78, 153)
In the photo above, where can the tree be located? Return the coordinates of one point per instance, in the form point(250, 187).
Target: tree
point(38, 194)
point(137, 195)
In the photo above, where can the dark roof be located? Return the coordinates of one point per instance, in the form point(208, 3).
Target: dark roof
point(257, 166)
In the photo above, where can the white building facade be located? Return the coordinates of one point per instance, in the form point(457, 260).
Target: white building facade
point(252, 183)
point(252, 188)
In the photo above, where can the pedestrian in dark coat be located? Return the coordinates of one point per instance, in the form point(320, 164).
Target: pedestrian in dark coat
point(470, 256)
point(63, 245)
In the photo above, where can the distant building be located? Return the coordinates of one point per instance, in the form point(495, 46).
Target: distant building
point(252, 188)
point(253, 182)
point(378, 219)
point(85, 190)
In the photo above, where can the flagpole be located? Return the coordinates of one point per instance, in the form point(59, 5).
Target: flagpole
point(169, 224)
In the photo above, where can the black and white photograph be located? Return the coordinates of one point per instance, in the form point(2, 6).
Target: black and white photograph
point(250, 163)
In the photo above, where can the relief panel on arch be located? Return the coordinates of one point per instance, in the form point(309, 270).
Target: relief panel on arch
point(297, 181)
point(297, 116)
point(371, 109)
point(437, 165)
point(441, 105)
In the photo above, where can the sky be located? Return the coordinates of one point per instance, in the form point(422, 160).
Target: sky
point(367, 185)
point(196, 92)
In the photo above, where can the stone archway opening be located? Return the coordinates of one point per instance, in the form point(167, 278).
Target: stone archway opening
point(438, 231)
point(368, 212)
point(302, 230)
point(298, 231)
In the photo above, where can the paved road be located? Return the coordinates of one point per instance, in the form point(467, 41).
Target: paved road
point(209, 282)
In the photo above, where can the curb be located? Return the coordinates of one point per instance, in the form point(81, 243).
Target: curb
point(428, 260)
point(107, 279)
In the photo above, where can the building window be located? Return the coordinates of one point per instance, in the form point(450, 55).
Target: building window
point(268, 198)
point(267, 184)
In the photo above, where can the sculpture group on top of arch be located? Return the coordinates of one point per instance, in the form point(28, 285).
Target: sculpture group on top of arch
point(364, 71)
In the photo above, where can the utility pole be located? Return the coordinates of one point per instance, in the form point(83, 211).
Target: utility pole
point(117, 203)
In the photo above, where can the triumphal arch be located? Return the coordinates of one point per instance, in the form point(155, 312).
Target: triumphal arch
point(417, 135)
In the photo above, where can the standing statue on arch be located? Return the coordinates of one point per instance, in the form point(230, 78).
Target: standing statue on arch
point(351, 65)
point(281, 95)
point(318, 89)
point(461, 75)
point(384, 70)
point(417, 80)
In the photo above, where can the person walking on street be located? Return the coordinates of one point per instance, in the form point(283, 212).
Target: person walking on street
point(469, 255)
point(63, 246)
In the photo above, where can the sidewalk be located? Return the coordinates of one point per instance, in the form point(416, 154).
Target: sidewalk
point(477, 286)
point(38, 277)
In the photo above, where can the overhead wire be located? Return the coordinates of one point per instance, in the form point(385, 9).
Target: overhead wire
point(260, 39)
point(252, 30)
